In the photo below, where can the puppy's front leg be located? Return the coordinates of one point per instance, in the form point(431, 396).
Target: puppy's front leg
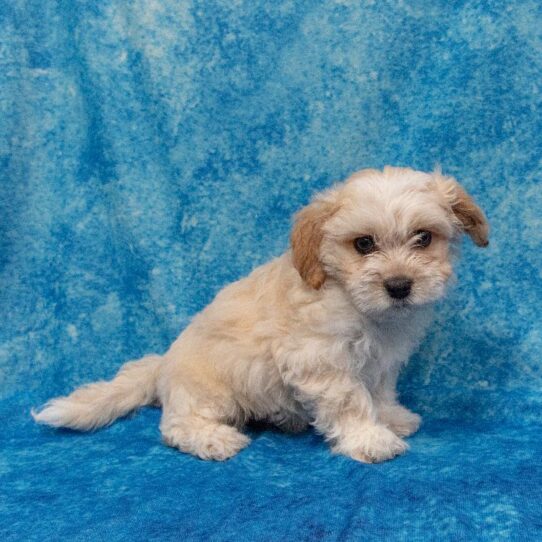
point(343, 411)
point(399, 419)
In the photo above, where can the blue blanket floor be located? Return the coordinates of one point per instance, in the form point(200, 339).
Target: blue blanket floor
point(153, 151)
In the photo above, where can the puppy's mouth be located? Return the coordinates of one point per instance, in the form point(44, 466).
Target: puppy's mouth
point(401, 304)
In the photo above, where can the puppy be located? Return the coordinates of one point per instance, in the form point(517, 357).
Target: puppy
point(316, 336)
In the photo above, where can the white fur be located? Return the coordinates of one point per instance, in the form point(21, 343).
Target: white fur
point(273, 347)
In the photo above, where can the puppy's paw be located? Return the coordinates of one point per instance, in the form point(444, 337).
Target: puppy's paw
point(212, 441)
point(373, 444)
point(224, 443)
point(399, 419)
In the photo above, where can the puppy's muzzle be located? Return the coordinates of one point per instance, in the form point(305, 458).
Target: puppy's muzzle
point(398, 287)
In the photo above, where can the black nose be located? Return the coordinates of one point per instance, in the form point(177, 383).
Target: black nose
point(398, 287)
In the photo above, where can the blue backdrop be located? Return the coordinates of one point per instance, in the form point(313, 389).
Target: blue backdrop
point(152, 151)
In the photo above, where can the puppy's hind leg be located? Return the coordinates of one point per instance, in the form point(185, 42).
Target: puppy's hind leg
point(200, 430)
point(203, 437)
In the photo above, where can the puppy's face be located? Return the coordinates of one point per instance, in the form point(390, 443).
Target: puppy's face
point(385, 237)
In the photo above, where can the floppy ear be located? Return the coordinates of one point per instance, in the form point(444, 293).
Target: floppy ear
point(306, 237)
point(470, 217)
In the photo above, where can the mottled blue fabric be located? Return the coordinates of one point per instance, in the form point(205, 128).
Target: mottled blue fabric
point(152, 151)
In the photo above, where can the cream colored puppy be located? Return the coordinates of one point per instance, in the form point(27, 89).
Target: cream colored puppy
point(316, 336)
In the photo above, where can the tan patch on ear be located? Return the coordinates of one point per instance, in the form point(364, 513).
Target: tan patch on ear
point(468, 214)
point(306, 238)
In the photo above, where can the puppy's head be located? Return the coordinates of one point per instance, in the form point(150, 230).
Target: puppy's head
point(385, 236)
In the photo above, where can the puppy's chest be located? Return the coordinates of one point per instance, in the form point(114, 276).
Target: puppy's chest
point(379, 349)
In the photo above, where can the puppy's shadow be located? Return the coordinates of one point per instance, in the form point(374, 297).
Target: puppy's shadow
point(259, 428)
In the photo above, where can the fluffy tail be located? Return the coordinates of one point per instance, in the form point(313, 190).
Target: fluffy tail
point(99, 404)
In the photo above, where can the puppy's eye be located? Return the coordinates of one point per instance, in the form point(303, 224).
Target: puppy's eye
point(423, 238)
point(365, 244)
